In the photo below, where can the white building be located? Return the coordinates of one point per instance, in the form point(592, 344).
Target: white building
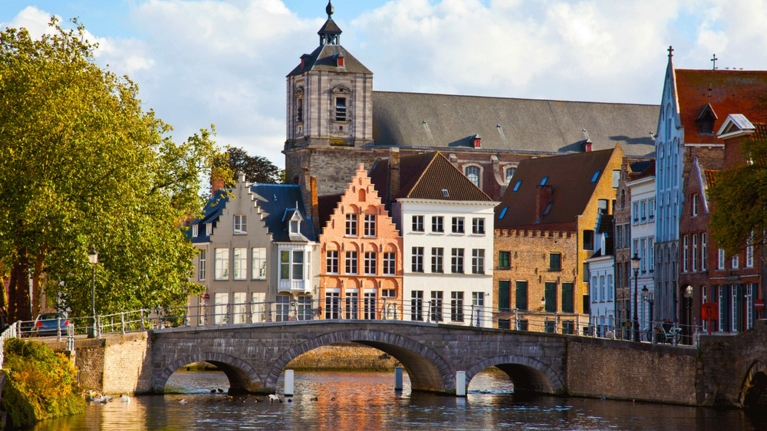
point(643, 230)
point(447, 228)
point(601, 270)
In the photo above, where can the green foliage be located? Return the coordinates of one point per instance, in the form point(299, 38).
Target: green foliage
point(256, 168)
point(740, 201)
point(40, 384)
point(83, 166)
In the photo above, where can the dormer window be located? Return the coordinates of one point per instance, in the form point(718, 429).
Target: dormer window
point(477, 141)
point(340, 61)
point(705, 120)
point(294, 224)
point(195, 231)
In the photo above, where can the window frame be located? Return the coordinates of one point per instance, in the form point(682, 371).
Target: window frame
point(331, 261)
point(370, 263)
point(351, 226)
point(369, 226)
point(478, 225)
point(417, 223)
point(416, 260)
point(458, 225)
point(351, 262)
point(457, 261)
point(437, 260)
point(240, 224)
point(437, 224)
point(478, 261)
point(390, 263)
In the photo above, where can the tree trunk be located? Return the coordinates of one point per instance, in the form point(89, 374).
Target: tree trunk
point(18, 298)
point(37, 290)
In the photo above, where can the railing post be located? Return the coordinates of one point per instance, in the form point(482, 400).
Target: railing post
point(122, 322)
point(142, 320)
point(58, 328)
point(97, 329)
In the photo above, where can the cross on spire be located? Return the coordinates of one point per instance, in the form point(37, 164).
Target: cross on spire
point(714, 59)
point(670, 51)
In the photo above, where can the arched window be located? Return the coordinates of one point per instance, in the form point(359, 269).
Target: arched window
point(510, 174)
point(472, 173)
point(362, 195)
point(623, 198)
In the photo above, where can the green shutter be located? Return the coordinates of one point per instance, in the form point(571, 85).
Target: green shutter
point(568, 299)
point(551, 297)
point(504, 295)
point(522, 295)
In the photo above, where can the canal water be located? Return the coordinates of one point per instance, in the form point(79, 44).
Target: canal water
point(337, 401)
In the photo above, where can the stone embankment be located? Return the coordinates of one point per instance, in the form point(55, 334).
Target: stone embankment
point(342, 357)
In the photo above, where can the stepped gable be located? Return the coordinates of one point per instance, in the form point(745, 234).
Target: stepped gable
point(526, 125)
point(570, 179)
point(721, 92)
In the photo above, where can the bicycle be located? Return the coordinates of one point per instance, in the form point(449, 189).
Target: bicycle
point(672, 336)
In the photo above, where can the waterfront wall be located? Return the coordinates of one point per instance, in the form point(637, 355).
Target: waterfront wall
point(631, 371)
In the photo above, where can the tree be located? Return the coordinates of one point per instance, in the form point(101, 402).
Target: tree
point(83, 167)
point(740, 201)
point(256, 168)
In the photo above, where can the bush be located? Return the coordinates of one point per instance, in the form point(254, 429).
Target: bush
point(40, 384)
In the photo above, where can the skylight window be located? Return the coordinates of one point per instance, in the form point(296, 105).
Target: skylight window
point(503, 212)
point(516, 186)
point(547, 210)
point(594, 178)
point(543, 181)
point(445, 193)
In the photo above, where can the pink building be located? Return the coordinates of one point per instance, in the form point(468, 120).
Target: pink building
point(361, 255)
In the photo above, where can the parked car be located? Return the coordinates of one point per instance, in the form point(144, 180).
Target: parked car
point(48, 324)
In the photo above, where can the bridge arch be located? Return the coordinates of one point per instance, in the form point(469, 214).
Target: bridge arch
point(242, 377)
point(427, 370)
point(753, 391)
point(527, 374)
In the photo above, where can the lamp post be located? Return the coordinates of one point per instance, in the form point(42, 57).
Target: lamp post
point(645, 299)
point(688, 292)
point(93, 259)
point(635, 266)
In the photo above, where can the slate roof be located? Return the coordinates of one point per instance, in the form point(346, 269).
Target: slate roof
point(547, 126)
point(425, 176)
point(211, 212)
point(326, 204)
point(324, 58)
point(570, 177)
point(727, 91)
point(278, 202)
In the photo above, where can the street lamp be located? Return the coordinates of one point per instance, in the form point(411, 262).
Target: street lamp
point(688, 292)
point(635, 266)
point(93, 259)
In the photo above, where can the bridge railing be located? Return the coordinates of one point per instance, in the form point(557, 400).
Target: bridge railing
point(649, 331)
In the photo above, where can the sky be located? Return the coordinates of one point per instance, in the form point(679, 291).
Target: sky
point(224, 62)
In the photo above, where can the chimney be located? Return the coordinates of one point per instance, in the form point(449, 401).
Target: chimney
point(477, 141)
point(217, 181)
point(394, 174)
point(542, 197)
point(587, 146)
point(308, 186)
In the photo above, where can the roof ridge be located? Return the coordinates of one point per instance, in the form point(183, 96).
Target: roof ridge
point(514, 98)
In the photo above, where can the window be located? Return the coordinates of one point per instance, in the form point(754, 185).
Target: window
point(694, 204)
point(643, 256)
point(417, 259)
point(351, 262)
point(619, 236)
point(750, 252)
point(351, 224)
point(478, 226)
point(369, 306)
point(472, 173)
point(550, 295)
point(456, 306)
point(240, 263)
point(370, 225)
point(437, 224)
point(635, 212)
point(585, 272)
point(239, 308)
point(388, 293)
point(437, 256)
point(456, 263)
point(416, 305)
point(568, 298)
point(300, 110)
point(221, 265)
point(516, 186)
point(651, 254)
point(504, 295)
point(195, 230)
point(703, 251)
point(201, 266)
point(304, 309)
point(735, 262)
point(595, 177)
point(478, 261)
point(555, 261)
point(720, 259)
point(340, 109)
point(503, 212)
point(478, 299)
point(521, 295)
point(352, 303)
point(651, 209)
point(389, 263)
point(332, 304)
point(436, 306)
point(258, 262)
point(291, 265)
point(240, 224)
point(457, 224)
point(294, 226)
point(331, 262)
point(509, 174)
point(588, 240)
point(504, 259)
point(208, 229)
point(370, 263)
point(221, 301)
point(694, 252)
point(417, 223)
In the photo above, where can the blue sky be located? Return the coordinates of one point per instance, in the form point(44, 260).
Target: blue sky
point(224, 62)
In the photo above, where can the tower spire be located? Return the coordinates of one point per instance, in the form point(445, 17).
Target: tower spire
point(330, 33)
point(329, 9)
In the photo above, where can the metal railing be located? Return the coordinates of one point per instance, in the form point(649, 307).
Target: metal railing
point(655, 332)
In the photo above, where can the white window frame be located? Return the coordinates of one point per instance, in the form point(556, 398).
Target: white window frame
point(240, 263)
point(750, 252)
point(478, 299)
point(478, 168)
point(389, 263)
point(370, 263)
point(240, 224)
point(458, 225)
point(201, 266)
point(506, 173)
point(292, 265)
point(369, 226)
point(221, 264)
point(417, 224)
point(703, 251)
point(735, 262)
point(331, 262)
point(351, 262)
point(685, 255)
point(437, 260)
point(221, 308)
point(351, 225)
point(416, 263)
point(457, 261)
point(258, 262)
point(195, 230)
point(437, 224)
point(694, 203)
point(478, 226)
point(478, 261)
point(694, 252)
point(720, 259)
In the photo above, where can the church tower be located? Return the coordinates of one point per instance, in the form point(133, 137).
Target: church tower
point(329, 103)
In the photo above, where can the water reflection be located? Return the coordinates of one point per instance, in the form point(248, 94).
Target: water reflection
point(352, 401)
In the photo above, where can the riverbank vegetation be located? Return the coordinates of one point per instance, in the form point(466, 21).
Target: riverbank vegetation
point(40, 384)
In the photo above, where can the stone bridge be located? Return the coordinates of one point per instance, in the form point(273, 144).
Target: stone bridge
point(253, 356)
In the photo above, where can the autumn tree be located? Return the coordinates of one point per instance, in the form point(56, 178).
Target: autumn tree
point(740, 201)
point(82, 167)
point(257, 169)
